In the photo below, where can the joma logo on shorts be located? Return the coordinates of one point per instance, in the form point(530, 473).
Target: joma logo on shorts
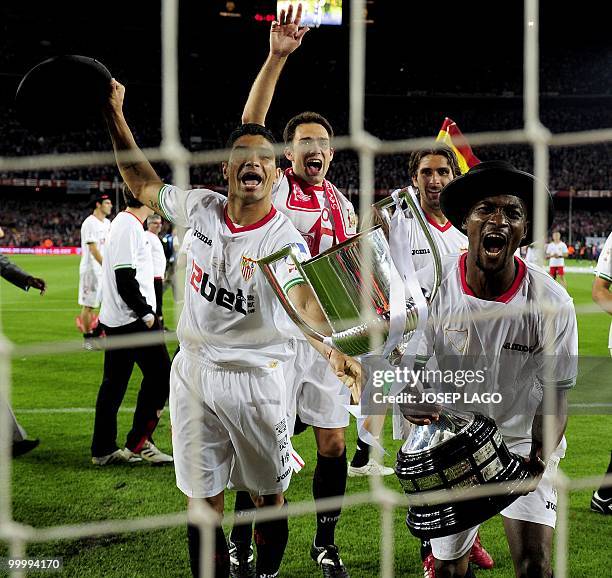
point(551, 506)
point(420, 251)
point(518, 347)
point(283, 475)
point(221, 296)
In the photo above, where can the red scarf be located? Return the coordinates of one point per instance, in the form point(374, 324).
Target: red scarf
point(300, 191)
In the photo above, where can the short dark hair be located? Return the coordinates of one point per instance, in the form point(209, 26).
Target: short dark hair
point(129, 198)
point(99, 198)
point(306, 118)
point(437, 149)
point(249, 128)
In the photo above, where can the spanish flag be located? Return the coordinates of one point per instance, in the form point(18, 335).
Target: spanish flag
point(451, 135)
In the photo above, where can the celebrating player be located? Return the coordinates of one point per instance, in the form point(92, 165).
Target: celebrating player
point(228, 397)
point(430, 170)
point(324, 217)
point(493, 203)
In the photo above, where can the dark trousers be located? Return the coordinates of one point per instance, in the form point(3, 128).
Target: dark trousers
point(154, 362)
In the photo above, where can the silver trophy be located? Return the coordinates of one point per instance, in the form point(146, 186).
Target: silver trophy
point(337, 279)
point(461, 451)
point(458, 451)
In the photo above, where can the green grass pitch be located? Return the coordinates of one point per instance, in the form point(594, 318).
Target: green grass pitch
point(54, 397)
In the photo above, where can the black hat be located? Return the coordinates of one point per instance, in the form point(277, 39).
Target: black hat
point(63, 93)
point(488, 179)
point(98, 198)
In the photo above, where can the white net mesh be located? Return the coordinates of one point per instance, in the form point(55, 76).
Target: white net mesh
point(18, 536)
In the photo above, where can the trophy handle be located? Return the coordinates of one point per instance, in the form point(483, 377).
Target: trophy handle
point(265, 263)
point(384, 210)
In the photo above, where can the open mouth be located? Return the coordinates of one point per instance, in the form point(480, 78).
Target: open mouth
point(251, 179)
point(314, 167)
point(493, 244)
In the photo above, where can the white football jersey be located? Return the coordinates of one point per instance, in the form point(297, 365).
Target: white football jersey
point(93, 231)
point(559, 248)
point(127, 247)
point(604, 270)
point(231, 315)
point(532, 256)
point(158, 255)
point(449, 239)
point(307, 207)
point(502, 342)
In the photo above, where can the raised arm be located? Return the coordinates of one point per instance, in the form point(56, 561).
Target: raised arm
point(137, 171)
point(285, 36)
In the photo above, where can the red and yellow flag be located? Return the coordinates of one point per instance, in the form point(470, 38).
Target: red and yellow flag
point(451, 135)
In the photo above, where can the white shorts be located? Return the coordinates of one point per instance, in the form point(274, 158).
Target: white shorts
point(539, 507)
point(90, 289)
point(316, 394)
point(229, 428)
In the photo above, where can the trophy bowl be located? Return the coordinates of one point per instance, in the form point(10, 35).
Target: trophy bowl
point(461, 451)
point(356, 305)
point(341, 288)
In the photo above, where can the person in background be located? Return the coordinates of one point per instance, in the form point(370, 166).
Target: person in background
point(556, 251)
point(94, 232)
point(154, 226)
point(602, 499)
point(18, 277)
point(129, 308)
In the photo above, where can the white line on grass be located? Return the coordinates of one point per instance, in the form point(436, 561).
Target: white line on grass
point(38, 309)
point(131, 409)
point(67, 410)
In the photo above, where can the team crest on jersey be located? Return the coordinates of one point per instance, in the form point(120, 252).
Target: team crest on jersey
point(247, 266)
point(457, 338)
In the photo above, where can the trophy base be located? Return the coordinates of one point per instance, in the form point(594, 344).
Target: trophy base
point(462, 453)
point(442, 520)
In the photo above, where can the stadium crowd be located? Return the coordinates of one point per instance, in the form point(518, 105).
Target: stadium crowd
point(28, 223)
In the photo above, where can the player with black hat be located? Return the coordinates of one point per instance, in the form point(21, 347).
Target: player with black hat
point(489, 312)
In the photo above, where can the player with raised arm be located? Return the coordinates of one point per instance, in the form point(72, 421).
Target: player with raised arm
point(228, 396)
point(324, 217)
